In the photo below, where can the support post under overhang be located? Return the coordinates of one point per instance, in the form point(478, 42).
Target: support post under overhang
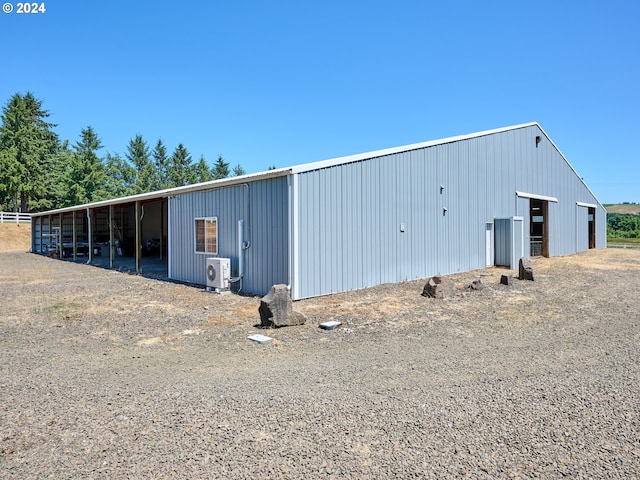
point(138, 239)
point(60, 245)
point(111, 237)
point(74, 235)
point(89, 234)
point(161, 227)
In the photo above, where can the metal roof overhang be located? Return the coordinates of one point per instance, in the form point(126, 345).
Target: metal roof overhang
point(537, 197)
point(145, 197)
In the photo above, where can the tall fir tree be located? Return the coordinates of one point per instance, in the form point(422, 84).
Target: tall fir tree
point(86, 182)
point(180, 169)
point(238, 171)
point(138, 156)
point(120, 176)
point(10, 178)
point(161, 166)
point(202, 172)
point(220, 169)
point(28, 146)
point(59, 168)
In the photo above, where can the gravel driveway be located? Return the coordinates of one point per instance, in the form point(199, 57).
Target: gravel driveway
point(108, 375)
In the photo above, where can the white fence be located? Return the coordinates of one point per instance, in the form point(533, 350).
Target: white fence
point(12, 217)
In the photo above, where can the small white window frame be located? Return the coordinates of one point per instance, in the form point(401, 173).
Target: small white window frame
point(206, 221)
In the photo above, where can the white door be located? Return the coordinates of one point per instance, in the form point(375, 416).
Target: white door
point(489, 244)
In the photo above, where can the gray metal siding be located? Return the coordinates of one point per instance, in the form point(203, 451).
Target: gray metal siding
point(509, 246)
point(601, 227)
point(349, 215)
point(350, 226)
point(503, 241)
point(262, 205)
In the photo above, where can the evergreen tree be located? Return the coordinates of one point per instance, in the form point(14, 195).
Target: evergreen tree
point(220, 169)
point(10, 178)
point(121, 177)
point(238, 170)
point(138, 156)
point(59, 168)
point(161, 164)
point(271, 167)
point(86, 182)
point(202, 172)
point(180, 169)
point(27, 145)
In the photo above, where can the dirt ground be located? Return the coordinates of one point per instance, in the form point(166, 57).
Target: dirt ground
point(104, 375)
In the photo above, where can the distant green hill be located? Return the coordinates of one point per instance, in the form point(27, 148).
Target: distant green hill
point(623, 223)
point(628, 208)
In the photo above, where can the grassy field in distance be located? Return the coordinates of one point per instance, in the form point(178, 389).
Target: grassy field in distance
point(628, 208)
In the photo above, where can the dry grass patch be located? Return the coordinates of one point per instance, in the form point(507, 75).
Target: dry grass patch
point(15, 237)
point(604, 259)
point(158, 340)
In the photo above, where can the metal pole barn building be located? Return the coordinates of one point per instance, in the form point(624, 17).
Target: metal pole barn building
point(404, 213)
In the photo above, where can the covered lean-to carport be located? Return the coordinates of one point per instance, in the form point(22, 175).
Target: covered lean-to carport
point(172, 232)
point(128, 233)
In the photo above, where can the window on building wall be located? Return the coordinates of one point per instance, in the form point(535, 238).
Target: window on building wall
point(207, 235)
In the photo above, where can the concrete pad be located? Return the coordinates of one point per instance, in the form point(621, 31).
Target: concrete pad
point(330, 325)
point(259, 338)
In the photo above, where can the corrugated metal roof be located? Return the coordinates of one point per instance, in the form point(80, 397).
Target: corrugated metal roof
point(306, 167)
point(405, 148)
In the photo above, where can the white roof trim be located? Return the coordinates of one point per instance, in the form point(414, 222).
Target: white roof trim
point(307, 167)
point(583, 204)
point(537, 197)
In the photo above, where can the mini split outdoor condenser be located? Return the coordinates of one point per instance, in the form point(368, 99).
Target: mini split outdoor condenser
point(218, 270)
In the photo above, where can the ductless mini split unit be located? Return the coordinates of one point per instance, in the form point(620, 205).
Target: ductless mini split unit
point(218, 274)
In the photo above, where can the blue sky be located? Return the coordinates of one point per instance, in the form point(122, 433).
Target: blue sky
point(281, 83)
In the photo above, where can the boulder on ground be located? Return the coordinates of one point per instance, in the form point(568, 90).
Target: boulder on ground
point(438, 287)
point(475, 285)
point(525, 269)
point(506, 279)
point(276, 309)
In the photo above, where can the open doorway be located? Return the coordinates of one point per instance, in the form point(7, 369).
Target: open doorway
point(592, 227)
point(539, 232)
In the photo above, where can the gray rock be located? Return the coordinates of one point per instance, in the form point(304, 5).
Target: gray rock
point(506, 279)
point(525, 269)
point(438, 287)
point(475, 285)
point(276, 309)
